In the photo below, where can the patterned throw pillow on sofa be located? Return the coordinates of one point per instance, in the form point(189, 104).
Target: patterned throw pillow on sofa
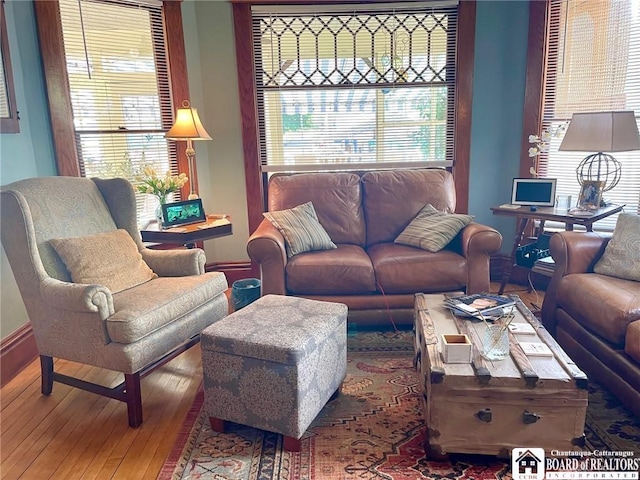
point(301, 230)
point(621, 258)
point(432, 229)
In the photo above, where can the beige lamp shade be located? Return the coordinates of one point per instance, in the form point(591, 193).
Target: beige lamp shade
point(602, 132)
point(187, 125)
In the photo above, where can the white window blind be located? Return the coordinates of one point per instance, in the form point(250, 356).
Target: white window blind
point(355, 86)
point(592, 64)
point(119, 85)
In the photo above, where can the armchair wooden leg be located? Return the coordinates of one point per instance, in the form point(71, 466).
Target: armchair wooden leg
point(133, 395)
point(128, 391)
point(46, 366)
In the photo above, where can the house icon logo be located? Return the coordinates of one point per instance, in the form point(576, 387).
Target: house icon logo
point(527, 464)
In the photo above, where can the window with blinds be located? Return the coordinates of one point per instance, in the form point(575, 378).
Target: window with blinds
point(119, 87)
point(355, 86)
point(592, 65)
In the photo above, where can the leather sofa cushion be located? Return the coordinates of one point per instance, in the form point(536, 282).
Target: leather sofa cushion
point(604, 305)
point(346, 270)
point(632, 341)
point(393, 198)
point(403, 269)
point(591, 353)
point(336, 197)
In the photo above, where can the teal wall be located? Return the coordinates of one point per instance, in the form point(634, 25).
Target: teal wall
point(498, 99)
point(30, 152)
point(213, 85)
point(498, 95)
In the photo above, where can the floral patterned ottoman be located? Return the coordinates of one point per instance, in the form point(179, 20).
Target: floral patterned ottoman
point(274, 364)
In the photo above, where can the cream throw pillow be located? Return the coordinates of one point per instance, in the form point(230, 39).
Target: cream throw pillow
point(301, 230)
point(111, 259)
point(432, 229)
point(621, 258)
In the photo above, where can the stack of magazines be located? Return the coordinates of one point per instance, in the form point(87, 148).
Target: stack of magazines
point(544, 266)
point(480, 305)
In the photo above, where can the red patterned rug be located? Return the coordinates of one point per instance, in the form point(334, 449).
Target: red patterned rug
point(373, 430)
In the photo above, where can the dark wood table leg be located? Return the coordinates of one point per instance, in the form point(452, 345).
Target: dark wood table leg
point(217, 424)
point(506, 271)
point(291, 444)
point(434, 453)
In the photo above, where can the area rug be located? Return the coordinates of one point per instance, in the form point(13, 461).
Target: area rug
point(373, 430)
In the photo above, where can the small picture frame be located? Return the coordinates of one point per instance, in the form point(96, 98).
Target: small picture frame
point(182, 213)
point(590, 194)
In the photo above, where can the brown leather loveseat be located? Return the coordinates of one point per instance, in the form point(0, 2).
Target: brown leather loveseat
point(595, 318)
point(363, 213)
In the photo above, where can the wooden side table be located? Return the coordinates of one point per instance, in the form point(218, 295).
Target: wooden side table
point(543, 214)
point(215, 226)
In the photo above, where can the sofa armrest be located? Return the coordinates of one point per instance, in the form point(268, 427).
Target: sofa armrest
point(175, 263)
point(477, 242)
point(266, 246)
point(76, 312)
point(576, 252)
point(572, 252)
point(77, 297)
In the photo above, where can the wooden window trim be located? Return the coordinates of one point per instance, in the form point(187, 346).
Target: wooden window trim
point(49, 26)
point(464, 92)
point(172, 11)
point(249, 118)
point(535, 74)
point(10, 124)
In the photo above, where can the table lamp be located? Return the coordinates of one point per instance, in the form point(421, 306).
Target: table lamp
point(188, 127)
point(601, 132)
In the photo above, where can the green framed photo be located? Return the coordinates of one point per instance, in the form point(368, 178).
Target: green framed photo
point(182, 213)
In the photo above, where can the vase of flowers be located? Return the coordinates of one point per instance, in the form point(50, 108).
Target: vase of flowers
point(159, 214)
point(160, 187)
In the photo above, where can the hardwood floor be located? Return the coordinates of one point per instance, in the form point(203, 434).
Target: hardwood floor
point(74, 434)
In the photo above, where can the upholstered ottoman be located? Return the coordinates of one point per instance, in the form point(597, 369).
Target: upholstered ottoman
point(274, 364)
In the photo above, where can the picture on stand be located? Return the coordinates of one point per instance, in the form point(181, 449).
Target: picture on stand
point(181, 213)
point(590, 194)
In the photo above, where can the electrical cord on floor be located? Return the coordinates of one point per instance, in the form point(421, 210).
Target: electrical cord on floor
point(395, 328)
point(535, 305)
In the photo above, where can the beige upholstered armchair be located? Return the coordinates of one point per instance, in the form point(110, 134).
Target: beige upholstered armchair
point(130, 313)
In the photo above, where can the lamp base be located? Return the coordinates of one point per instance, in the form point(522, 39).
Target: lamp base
point(599, 167)
point(191, 159)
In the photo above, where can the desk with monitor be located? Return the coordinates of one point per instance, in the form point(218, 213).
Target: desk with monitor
point(525, 214)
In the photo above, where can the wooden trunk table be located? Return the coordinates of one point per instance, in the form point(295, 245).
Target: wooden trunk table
point(491, 407)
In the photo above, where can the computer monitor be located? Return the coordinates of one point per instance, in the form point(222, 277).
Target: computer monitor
point(540, 192)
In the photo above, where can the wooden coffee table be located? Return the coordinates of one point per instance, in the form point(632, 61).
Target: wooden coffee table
point(489, 407)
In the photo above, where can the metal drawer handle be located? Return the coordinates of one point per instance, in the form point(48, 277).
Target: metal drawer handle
point(530, 417)
point(484, 415)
